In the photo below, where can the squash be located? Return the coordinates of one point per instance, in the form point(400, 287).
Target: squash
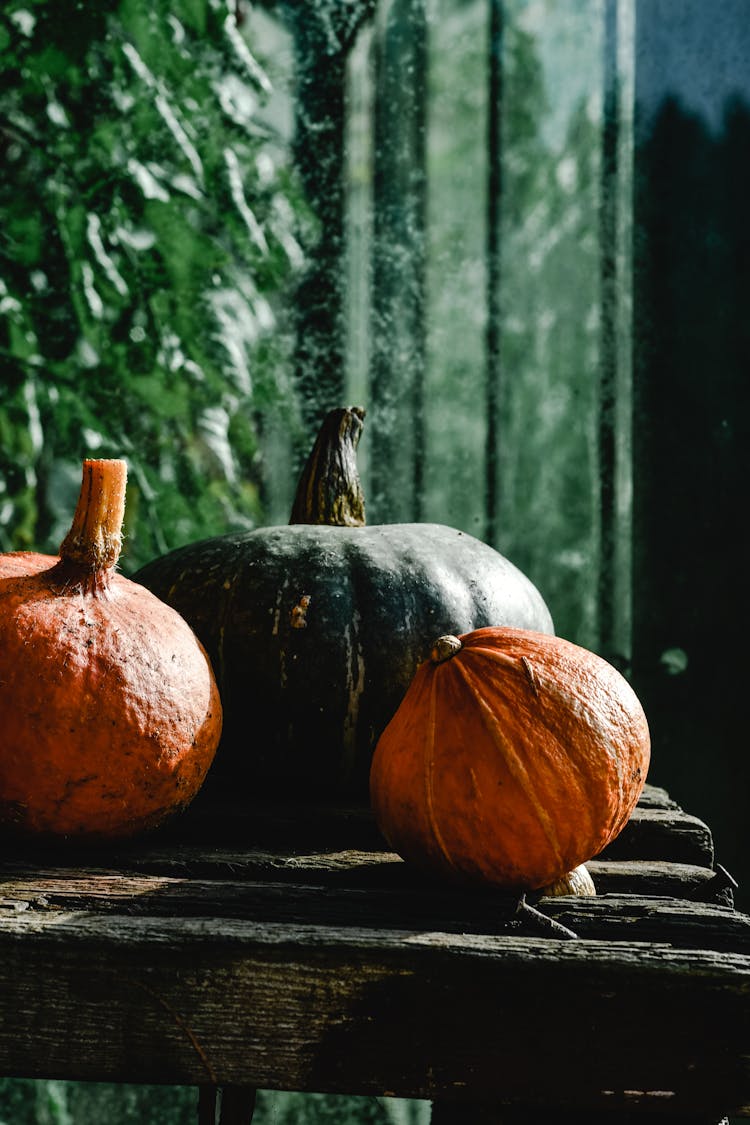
point(315, 629)
point(109, 710)
point(513, 758)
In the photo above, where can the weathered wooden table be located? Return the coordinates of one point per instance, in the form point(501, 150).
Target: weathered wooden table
point(288, 949)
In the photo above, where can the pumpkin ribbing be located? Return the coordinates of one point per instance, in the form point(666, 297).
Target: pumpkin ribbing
point(513, 758)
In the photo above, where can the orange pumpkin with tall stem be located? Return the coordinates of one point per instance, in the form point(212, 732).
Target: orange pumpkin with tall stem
point(109, 712)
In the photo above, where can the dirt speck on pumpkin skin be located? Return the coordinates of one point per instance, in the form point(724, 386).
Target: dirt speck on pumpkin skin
point(298, 616)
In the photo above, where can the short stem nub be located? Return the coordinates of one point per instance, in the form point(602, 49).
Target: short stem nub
point(444, 648)
point(95, 537)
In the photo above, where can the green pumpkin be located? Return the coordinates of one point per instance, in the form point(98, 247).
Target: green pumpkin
point(315, 629)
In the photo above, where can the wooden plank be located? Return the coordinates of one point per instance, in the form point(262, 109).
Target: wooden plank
point(651, 834)
point(656, 797)
point(310, 826)
point(637, 918)
point(347, 868)
point(397, 904)
point(283, 902)
point(455, 1113)
point(333, 841)
point(657, 877)
point(417, 1014)
point(664, 834)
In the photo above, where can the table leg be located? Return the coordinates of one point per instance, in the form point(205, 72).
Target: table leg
point(207, 1105)
point(235, 1105)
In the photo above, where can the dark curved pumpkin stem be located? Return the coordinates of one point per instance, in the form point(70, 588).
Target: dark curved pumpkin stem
point(542, 923)
point(329, 489)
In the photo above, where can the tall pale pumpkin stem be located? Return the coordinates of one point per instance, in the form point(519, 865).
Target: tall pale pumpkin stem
point(92, 547)
point(329, 489)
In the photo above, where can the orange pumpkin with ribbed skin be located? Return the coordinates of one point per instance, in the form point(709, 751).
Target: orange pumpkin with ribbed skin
point(14, 564)
point(109, 711)
point(514, 757)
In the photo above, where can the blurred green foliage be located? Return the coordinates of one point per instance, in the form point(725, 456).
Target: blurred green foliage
point(151, 229)
point(27, 1102)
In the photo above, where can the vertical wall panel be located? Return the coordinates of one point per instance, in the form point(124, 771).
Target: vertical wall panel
point(691, 441)
point(549, 495)
point(455, 406)
point(319, 157)
point(494, 212)
point(497, 248)
point(396, 426)
point(358, 174)
point(614, 578)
